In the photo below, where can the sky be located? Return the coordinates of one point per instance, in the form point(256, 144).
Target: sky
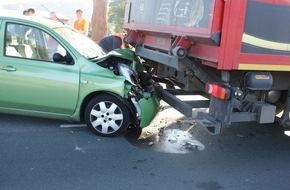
point(65, 7)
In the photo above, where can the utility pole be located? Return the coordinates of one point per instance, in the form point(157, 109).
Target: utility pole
point(99, 19)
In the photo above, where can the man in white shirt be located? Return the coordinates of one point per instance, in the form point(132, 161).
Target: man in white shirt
point(10, 50)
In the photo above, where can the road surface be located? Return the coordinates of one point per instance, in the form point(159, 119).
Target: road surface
point(173, 153)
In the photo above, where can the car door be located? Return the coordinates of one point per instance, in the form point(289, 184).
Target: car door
point(30, 79)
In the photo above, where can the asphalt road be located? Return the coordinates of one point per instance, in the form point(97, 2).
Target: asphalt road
point(172, 154)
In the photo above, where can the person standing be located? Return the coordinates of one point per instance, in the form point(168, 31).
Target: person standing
point(31, 12)
point(81, 24)
point(25, 13)
point(52, 16)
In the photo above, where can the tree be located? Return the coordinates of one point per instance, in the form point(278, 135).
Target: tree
point(117, 14)
point(99, 19)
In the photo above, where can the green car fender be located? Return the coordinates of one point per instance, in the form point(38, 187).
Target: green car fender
point(146, 107)
point(149, 109)
point(92, 82)
point(90, 90)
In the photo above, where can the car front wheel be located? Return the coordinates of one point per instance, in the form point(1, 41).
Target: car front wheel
point(107, 115)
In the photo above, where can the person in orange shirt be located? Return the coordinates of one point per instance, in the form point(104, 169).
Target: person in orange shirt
point(81, 24)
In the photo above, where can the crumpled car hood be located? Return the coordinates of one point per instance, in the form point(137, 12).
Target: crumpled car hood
point(120, 53)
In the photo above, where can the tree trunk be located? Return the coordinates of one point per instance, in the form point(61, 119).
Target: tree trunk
point(99, 20)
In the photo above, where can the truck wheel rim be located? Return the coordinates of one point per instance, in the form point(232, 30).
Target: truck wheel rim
point(106, 117)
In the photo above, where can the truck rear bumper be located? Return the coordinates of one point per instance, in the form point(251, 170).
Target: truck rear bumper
point(221, 113)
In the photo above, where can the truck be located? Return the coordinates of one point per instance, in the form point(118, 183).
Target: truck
point(235, 53)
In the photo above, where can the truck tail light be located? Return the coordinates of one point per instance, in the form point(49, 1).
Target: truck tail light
point(217, 91)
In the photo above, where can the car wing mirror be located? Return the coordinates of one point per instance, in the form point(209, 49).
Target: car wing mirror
point(57, 57)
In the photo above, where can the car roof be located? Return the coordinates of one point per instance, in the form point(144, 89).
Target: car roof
point(17, 16)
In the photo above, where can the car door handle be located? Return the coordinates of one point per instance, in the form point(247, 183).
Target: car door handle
point(8, 68)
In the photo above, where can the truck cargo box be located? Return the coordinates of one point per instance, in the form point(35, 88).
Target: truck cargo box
point(227, 35)
point(199, 20)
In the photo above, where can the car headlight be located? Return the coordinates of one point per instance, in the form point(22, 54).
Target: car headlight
point(128, 73)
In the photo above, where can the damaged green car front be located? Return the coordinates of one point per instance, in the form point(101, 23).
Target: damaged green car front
point(139, 87)
point(117, 92)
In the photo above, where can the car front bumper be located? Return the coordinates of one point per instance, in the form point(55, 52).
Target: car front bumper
point(149, 108)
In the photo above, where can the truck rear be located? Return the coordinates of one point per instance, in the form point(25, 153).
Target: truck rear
point(236, 53)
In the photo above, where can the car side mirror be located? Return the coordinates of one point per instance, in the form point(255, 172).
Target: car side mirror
point(57, 57)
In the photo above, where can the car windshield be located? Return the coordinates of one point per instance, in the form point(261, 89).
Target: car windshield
point(84, 45)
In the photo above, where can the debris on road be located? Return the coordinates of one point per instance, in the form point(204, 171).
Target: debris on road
point(240, 135)
point(151, 143)
point(170, 132)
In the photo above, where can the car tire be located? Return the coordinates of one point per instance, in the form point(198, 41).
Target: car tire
point(107, 115)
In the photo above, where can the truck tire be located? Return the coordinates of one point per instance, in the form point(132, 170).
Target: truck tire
point(107, 115)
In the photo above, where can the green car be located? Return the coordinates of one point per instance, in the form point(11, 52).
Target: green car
point(48, 69)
